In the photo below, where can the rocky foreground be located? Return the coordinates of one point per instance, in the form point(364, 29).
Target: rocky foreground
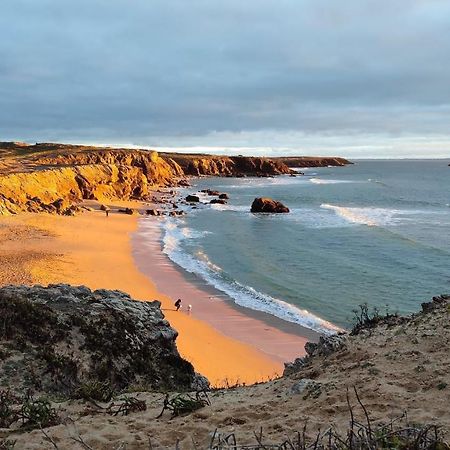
point(384, 385)
point(56, 178)
point(59, 339)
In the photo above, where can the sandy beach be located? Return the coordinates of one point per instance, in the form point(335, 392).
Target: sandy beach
point(221, 341)
point(278, 339)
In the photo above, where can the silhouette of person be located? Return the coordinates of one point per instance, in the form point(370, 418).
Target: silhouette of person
point(178, 304)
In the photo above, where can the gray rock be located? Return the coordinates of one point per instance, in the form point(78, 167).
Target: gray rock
point(70, 334)
point(326, 346)
point(305, 384)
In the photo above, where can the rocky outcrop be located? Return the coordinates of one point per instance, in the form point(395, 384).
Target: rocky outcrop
point(232, 166)
point(313, 161)
point(67, 179)
point(56, 177)
point(192, 198)
point(267, 205)
point(436, 303)
point(375, 327)
point(325, 347)
point(55, 339)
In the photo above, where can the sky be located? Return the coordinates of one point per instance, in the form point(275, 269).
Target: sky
point(355, 78)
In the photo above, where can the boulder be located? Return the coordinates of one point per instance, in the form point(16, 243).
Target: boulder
point(267, 205)
point(192, 198)
point(210, 192)
point(152, 212)
point(219, 201)
point(128, 211)
point(224, 196)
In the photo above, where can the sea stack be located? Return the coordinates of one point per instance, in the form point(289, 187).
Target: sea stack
point(267, 205)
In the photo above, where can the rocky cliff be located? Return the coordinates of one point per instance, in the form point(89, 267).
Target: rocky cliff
point(60, 338)
point(232, 166)
point(313, 161)
point(58, 182)
point(57, 177)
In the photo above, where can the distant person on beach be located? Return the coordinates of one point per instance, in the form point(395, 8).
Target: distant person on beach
point(189, 309)
point(107, 212)
point(178, 304)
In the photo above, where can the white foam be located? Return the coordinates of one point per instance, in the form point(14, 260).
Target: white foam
point(328, 181)
point(243, 295)
point(371, 216)
point(228, 207)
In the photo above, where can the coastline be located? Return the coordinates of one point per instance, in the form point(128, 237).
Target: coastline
point(96, 251)
point(280, 340)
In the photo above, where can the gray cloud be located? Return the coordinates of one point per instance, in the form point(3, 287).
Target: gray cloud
point(175, 71)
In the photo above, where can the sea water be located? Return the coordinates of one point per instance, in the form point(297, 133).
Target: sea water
point(376, 232)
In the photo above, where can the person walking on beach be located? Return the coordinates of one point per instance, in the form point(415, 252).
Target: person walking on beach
point(178, 304)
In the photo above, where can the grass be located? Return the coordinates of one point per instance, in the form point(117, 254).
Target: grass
point(100, 391)
point(30, 412)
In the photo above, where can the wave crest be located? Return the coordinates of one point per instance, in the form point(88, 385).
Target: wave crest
point(243, 295)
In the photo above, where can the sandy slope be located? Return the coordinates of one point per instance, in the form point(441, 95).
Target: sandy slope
point(405, 367)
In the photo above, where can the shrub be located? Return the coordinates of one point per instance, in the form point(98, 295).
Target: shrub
point(7, 414)
point(95, 390)
point(364, 319)
point(38, 414)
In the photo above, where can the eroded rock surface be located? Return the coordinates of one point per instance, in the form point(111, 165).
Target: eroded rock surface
point(53, 339)
point(267, 205)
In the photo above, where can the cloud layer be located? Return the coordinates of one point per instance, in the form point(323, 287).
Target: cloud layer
point(293, 75)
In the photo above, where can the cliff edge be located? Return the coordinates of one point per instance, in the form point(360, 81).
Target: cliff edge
point(55, 178)
point(59, 338)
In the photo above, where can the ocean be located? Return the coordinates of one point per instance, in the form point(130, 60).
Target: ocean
point(376, 232)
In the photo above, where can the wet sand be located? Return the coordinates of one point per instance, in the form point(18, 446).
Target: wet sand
point(280, 340)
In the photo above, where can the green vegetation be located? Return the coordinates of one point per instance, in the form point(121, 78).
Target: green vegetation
point(32, 413)
point(182, 404)
point(364, 319)
point(95, 390)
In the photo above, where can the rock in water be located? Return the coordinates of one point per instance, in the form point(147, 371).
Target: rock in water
point(60, 337)
point(267, 205)
point(192, 198)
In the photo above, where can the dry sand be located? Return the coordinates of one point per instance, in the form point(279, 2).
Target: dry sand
point(93, 250)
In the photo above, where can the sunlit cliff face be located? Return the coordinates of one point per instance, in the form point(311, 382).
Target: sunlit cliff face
point(55, 184)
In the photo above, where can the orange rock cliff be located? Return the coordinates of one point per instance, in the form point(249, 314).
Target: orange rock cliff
point(56, 177)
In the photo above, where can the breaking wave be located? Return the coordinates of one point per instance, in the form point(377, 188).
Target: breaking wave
point(372, 217)
point(326, 181)
point(198, 263)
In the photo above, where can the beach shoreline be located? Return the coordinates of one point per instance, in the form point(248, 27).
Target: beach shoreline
point(280, 340)
point(97, 251)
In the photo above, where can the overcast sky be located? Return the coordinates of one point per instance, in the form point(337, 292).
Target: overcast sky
point(357, 78)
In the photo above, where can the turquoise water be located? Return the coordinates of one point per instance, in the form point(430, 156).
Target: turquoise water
point(375, 232)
